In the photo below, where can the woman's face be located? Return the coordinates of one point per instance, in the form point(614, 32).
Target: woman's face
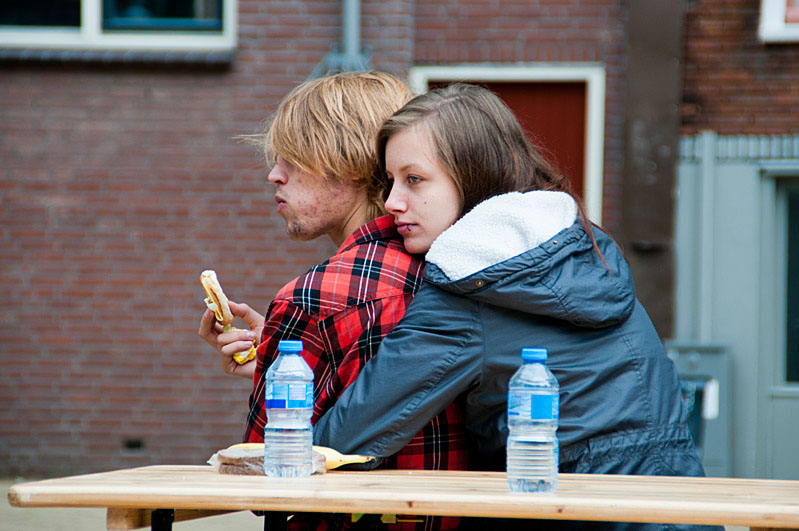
point(424, 199)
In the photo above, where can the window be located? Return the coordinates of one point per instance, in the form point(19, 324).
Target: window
point(779, 21)
point(40, 13)
point(162, 14)
point(119, 25)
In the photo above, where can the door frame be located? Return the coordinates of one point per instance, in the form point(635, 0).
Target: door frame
point(776, 179)
point(592, 74)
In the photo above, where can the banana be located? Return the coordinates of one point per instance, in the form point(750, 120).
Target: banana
point(336, 459)
point(245, 355)
point(333, 458)
point(217, 302)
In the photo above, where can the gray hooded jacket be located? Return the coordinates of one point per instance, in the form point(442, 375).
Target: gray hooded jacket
point(520, 271)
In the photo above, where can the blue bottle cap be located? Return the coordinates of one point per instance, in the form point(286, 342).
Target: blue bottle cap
point(289, 345)
point(538, 354)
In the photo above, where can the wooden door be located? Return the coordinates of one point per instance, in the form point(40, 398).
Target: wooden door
point(554, 115)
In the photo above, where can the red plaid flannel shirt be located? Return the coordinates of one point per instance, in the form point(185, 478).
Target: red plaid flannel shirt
point(341, 310)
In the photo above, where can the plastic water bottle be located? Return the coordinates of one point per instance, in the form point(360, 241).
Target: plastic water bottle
point(533, 401)
point(288, 399)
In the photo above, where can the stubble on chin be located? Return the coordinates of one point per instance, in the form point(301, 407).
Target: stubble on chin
point(294, 230)
point(299, 232)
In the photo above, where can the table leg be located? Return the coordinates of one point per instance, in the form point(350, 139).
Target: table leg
point(162, 519)
point(275, 521)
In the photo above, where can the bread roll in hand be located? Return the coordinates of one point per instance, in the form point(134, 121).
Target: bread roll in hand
point(218, 303)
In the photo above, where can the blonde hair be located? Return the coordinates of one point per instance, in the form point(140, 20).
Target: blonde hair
point(327, 126)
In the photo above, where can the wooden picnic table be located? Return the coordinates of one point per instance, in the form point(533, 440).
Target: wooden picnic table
point(131, 496)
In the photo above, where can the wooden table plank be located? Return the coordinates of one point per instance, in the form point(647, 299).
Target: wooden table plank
point(725, 501)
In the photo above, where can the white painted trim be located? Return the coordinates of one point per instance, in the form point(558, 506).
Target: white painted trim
point(707, 236)
point(784, 392)
point(780, 169)
point(769, 329)
point(772, 27)
point(774, 151)
point(91, 20)
point(90, 37)
point(592, 74)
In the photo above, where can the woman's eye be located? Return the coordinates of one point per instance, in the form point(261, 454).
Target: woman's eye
point(413, 179)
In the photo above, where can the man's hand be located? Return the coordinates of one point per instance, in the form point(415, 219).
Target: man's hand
point(229, 343)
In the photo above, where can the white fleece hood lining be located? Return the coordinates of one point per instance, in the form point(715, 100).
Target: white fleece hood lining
point(499, 228)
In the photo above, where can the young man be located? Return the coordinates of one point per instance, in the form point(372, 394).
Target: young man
point(322, 144)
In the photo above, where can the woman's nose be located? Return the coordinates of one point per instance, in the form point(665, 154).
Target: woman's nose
point(395, 203)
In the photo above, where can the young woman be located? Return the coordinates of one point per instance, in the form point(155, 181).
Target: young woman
point(512, 262)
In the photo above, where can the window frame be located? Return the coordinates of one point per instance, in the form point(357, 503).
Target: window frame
point(777, 177)
point(784, 186)
point(90, 35)
point(778, 21)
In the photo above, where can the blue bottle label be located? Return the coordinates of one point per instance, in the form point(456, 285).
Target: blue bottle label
point(537, 407)
point(288, 396)
point(544, 407)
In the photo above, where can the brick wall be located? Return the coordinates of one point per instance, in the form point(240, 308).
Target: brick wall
point(120, 176)
point(120, 184)
point(733, 83)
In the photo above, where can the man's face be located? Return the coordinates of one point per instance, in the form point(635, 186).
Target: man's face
point(312, 205)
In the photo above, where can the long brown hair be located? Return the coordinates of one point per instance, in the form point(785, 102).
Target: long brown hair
point(481, 145)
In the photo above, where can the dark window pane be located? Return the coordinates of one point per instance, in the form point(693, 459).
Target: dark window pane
point(40, 12)
point(162, 14)
point(792, 341)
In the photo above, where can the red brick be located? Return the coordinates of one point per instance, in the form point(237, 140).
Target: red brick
point(737, 85)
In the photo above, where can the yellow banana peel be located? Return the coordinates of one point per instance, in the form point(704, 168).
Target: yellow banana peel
point(333, 458)
point(244, 356)
point(336, 459)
